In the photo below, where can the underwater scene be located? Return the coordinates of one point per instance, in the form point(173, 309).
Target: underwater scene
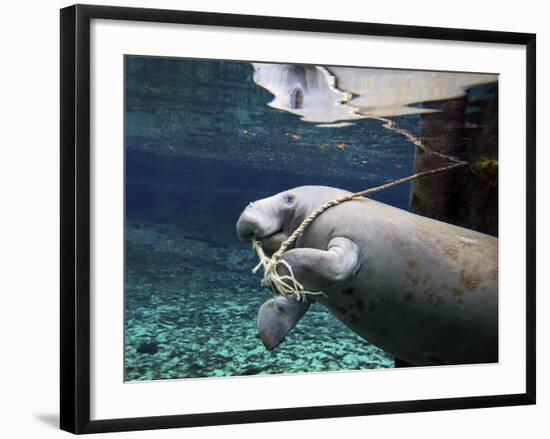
point(208, 146)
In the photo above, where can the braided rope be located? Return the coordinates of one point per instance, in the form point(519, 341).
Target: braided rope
point(287, 285)
point(392, 126)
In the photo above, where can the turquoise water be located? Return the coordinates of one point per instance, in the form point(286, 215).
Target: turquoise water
point(200, 144)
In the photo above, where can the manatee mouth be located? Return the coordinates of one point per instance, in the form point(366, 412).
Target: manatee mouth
point(250, 235)
point(272, 242)
point(271, 235)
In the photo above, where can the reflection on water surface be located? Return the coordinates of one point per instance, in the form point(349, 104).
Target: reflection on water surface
point(326, 95)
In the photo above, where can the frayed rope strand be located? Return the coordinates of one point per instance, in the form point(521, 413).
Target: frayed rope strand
point(285, 285)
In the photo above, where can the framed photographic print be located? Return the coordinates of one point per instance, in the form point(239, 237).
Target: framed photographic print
point(262, 218)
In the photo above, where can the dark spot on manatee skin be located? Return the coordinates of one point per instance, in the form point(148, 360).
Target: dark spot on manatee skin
point(352, 319)
point(360, 305)
point(348, 291)
point(458, 294)
point(415, 280)
point(433, 299)
point(280, 308)
point(412, 263)
point(372, 307)
point(427, 277)
point(340, 309)
point(451, 251)
point(470, 280)
point(410, 296)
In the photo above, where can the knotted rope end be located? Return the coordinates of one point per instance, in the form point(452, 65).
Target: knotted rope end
point(280, 285)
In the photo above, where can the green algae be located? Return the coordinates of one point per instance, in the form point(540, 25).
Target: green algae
point(486, 168)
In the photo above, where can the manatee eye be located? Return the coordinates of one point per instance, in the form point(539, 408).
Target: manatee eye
point(289, 198)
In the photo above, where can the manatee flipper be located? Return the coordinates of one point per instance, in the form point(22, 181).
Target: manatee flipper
point(315, 269)
point(277, 317)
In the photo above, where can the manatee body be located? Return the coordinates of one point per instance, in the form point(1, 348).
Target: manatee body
point(423, 290)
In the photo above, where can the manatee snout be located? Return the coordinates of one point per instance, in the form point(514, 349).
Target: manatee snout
point(247, 227)
point(263, 220)
point(259, 220)
point(252, 225)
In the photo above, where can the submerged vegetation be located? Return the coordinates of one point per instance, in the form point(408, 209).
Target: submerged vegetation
point(487, 169)
point(191, 311)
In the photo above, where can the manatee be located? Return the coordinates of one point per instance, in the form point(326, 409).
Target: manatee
point(421, 289)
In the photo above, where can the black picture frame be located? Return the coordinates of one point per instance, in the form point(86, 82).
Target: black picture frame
point(75, 217)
